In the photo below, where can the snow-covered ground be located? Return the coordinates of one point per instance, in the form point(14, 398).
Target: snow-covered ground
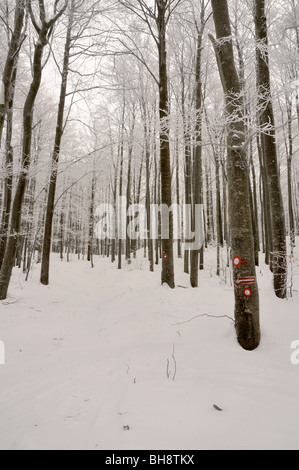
point(109, 359)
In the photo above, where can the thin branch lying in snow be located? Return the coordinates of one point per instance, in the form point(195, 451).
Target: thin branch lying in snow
point(167, 364)
point(174, 360)
point(204, 315)
point(167, 369)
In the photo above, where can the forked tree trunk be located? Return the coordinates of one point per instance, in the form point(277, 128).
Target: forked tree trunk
point(242, 243)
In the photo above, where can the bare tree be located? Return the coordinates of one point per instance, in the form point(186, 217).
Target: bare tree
point(242, 243)
point(269, 152)
point(45, 266)
point(11, 60)
point(197, 164)
point(156, 19)
point(43, 28)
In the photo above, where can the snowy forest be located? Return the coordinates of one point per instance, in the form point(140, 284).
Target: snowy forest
point(149, 222)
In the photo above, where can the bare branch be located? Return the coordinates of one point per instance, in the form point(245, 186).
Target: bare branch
point(32, 17)
point(203, 315)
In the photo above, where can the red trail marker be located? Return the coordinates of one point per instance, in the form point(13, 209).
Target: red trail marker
point(245, 280)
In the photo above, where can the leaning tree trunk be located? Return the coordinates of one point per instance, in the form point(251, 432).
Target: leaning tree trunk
point(242, 243)
point(266, 120)
point(12, 243)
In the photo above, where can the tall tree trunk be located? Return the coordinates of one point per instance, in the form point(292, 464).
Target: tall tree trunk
point(270, 152)
point(188, 194)
point(266, 208)
point(45, 266)
point(8, 180)
point(90, 249)
point(242, 243)
point(167, 276)
point(129, 196)
point(255, 209)
point(197, 165)
point(147, 188)
point(120, 214)
point(8, 261)
point(177, 179)
point(209, 204)
point(11, 61)
point(292, 230)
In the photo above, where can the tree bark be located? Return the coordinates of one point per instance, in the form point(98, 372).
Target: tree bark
point(10, 252)
point(45, 266)
point(8, 261)
point(197, 164)
point(242, 243)
point(268, 140)
point(292, 230)
point(90, 249)
point(167, 275)
point(121, 156)
point(11, 60)
point(8, 180)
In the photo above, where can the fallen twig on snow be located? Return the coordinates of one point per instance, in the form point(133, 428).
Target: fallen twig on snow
point(204, 315)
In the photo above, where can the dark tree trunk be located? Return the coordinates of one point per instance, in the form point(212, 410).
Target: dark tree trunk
point(279, 264)
point(12, 57)
point(45, 266)
point(8, 181)
point(177, 178)
point(90, 248)
point(10, 252)
point(266, 208)
point(120, 214)
point(197, 163)
point(292, 230)
point(255, 209)
point(129, 195)
point(12, 242)
point(167, 276)
point(188, 194)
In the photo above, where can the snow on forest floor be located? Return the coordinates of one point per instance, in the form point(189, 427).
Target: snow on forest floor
point(109, 359)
